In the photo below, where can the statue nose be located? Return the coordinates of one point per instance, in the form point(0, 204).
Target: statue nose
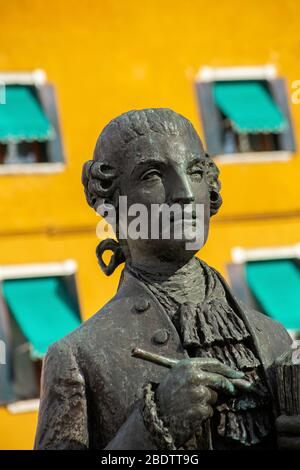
point(181, 191)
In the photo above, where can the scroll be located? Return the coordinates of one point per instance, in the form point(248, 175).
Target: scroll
point(287, 376)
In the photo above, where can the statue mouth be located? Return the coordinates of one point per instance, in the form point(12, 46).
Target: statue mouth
point(181, 229)
point(183, 221)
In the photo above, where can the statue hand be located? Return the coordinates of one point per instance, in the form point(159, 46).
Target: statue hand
point(187, 393)
point(288, 432)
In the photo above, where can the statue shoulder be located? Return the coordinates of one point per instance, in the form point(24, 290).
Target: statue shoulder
point(104, 326)
point(266, 329)
point(108, 313)
point(264, 323)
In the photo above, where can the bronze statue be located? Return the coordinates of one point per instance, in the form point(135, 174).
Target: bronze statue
point(216, 389)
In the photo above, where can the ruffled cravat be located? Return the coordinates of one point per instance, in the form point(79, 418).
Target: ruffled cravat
point(214, 330)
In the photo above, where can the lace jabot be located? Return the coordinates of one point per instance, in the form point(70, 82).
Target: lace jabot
point(209, 327)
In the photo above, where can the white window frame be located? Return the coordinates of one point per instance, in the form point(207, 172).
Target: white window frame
point(22, 271)
point(241, 255)
point(214, 74)
point(36, 78)
point(43, 168)
point(23, 406)
point(208, 74)
point(255, 157)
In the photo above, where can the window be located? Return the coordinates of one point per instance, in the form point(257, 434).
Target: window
point(269, 280)
point(38, 306)
point(245, 114)
point(29, 130)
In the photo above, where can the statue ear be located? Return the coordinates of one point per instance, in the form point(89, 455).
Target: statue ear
point(212, 172)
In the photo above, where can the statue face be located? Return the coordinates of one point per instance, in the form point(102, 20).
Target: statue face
point(164, 170)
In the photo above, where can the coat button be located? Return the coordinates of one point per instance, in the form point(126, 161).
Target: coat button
point(142, 304)
point(161, 336)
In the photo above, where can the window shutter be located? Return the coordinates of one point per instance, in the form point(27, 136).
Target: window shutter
point(6, 379)
point(239, 284)
point(46, 95)
point(278, 91)
point(211, 119)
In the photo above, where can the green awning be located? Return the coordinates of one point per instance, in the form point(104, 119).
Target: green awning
point(22, 117)
point(276, 286)
point(249, 106)
point(43, 310)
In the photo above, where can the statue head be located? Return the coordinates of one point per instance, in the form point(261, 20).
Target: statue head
point(153, 157)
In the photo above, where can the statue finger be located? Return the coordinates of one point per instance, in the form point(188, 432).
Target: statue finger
point(243, 384)
point(204, 394)
point(200, 411)
point(215, 381)
point(213, 396)
point(213, 365)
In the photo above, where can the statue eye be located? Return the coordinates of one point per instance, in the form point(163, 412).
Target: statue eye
point(151, 174)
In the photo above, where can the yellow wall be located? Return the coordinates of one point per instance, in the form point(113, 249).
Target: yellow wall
point(106, 57)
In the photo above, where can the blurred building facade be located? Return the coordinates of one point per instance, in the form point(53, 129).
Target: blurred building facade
point(104, 58)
